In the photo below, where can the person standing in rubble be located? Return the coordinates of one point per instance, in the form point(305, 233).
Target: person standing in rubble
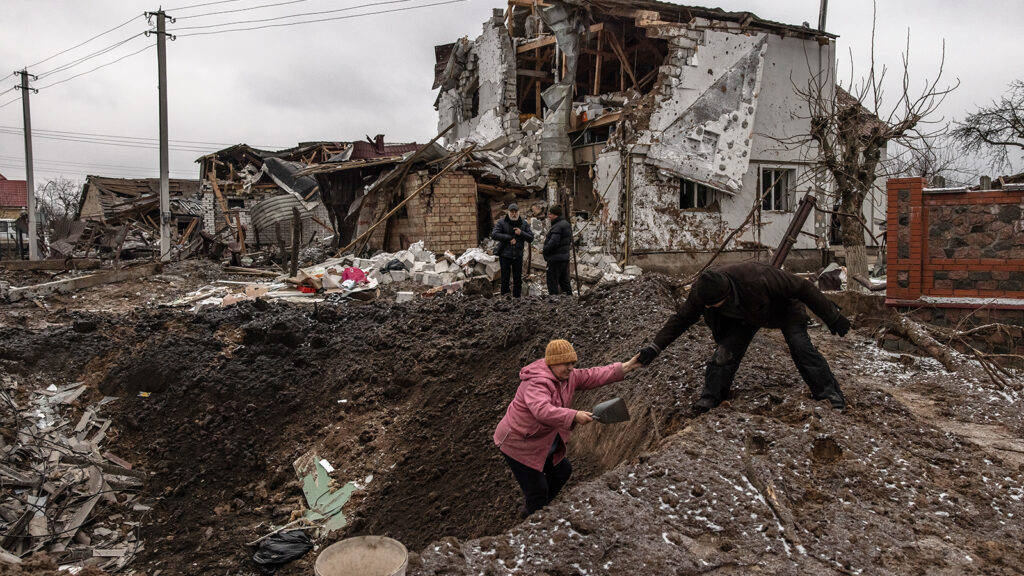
point(513, 234)
point(557, 246)
point(736, 301)
point(533, 434)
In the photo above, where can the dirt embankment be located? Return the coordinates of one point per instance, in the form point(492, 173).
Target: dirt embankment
point(410, 394)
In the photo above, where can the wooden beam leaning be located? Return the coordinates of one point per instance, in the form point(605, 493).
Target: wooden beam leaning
point(623, 61)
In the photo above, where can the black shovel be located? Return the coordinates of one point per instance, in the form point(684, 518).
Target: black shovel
point(611, 411)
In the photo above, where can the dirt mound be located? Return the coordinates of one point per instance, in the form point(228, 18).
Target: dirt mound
point(404, 398)
point(408, 393)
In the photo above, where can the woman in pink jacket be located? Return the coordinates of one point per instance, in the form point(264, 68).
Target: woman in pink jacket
point(539, 420)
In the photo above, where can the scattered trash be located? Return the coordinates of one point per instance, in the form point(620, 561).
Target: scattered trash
point(323, 497)
point(281, 548)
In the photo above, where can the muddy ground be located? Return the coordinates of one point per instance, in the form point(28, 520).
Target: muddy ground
point(922, 475)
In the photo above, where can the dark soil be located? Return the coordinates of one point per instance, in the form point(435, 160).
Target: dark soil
point(917, 476)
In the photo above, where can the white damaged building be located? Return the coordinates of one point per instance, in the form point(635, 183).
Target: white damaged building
point(663, 128)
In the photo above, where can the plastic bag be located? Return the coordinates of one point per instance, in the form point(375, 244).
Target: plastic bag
point(395, 264)
point(281, 548)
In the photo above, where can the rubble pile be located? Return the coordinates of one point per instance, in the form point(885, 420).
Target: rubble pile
point(513, 162)
point(63, 493)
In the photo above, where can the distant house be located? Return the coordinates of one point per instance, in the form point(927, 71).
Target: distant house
point(13, 198)
point(115, 201)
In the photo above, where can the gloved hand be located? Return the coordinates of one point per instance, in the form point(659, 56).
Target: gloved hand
point(840, 326)
point(649, 353)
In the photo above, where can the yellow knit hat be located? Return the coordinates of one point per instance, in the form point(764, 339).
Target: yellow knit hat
point(559, 352)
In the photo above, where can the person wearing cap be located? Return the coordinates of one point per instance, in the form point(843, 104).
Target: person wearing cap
point(512, 233)
point(736, 301)
point(557, 247)
point(537, 425)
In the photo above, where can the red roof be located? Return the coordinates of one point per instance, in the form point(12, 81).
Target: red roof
point(376, 148)
point(13, 193)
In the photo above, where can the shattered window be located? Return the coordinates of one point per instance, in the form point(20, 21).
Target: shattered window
point(695, 195)
point(775, 188)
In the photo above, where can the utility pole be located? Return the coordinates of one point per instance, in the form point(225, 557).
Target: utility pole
point(33, 233)
point(822, 13)
point(165, 185)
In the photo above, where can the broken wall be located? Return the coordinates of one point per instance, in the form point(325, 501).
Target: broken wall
point(725, 102)
point(444, 215)
point(482, 102)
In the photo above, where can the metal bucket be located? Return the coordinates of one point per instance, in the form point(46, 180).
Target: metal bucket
point(363, 556)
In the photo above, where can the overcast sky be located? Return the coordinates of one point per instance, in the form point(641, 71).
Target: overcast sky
point(371, 74)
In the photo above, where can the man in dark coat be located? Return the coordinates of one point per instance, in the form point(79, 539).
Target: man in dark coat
point(736, 301)
point(512, 233)
point(557, 246)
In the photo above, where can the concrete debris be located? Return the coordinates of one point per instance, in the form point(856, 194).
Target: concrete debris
point(62, 495)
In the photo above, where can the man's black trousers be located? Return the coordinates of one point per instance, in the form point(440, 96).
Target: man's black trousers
point(733, 337)
point(539, 488)
point(512, 268)
point(558, 278)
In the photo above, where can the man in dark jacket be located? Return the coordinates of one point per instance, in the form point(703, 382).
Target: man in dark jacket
point(512, 233)
point(557, 246)
point(737, 300)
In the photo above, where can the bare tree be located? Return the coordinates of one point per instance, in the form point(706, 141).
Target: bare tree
point(59, 198)
point(939, 159)
point(851, 127)
point(994, 131)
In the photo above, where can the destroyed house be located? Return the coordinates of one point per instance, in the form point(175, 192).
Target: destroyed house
point(250, 194)
point(658, 124)
point(126, 212)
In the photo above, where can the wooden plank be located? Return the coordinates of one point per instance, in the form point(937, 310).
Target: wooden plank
point(597, 64)
point(549, 40)
point(250, 271)
point(534, 74)
point(623, 61)
point(73, 524)
point(188, 231)
point(545, 41)
point(68, 264)
point(74, 284)
point(117, 460)
point(220, 199)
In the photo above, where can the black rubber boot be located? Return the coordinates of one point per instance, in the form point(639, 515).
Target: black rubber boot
point(834, 397)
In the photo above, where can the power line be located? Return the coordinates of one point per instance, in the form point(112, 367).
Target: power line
point(125, 23)
point(240, 9)
point(321, 19)
point(140, 145)
point(130, 138)
point(99, 52)
point(275, 18)
point(181, 8)
point(97, 169)
point(8, 159)
point(143, 49)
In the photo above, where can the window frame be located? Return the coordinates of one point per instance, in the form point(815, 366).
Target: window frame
point(710, 195)
point(772, 202)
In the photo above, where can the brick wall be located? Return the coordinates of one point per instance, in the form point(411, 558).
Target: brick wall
point(954, 244)
point(444, 215)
